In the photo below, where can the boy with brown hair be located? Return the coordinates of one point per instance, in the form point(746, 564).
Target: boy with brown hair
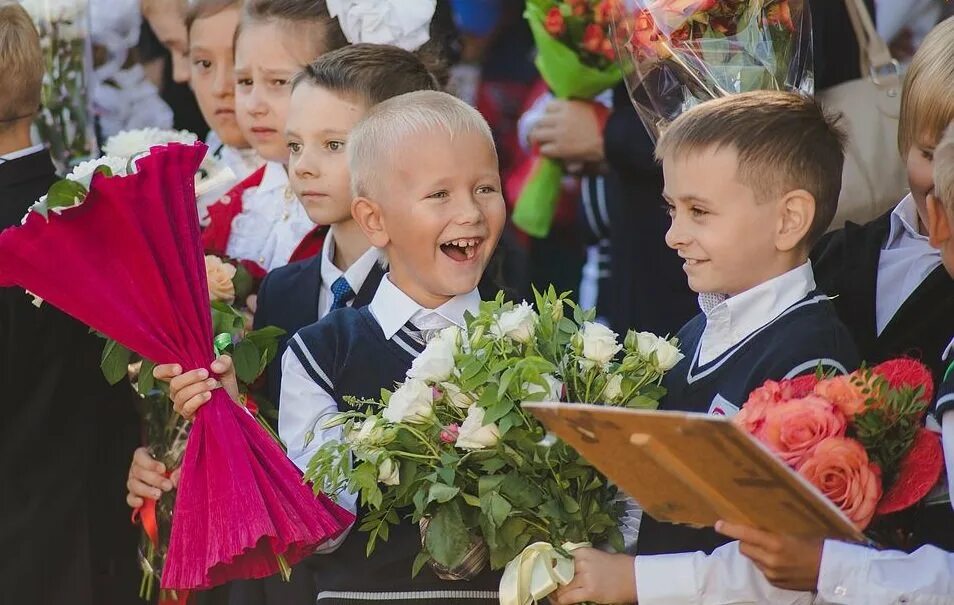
point(61, 417)
point(751, 182)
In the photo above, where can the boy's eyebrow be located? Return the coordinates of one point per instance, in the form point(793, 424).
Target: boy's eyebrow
point(277, 72)
point(686, 198)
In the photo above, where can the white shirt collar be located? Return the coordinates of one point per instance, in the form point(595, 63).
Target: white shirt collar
point(729, 320)
point(904, 223)
point(274, 178)
point(356, 274)
point(20, 153)
point(393, 308)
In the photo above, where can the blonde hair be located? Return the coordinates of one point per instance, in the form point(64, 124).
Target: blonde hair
point(784, 141)
point(944, 170)
point(927, 99)
point(21, 65)
point(389, 123)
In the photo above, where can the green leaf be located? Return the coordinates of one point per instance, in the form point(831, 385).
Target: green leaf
point(441, 493)
point(146, 380)
point(247, 359)
point(447, 539)
point(242, 282)
point(496, 507)
point(419, 561)
point(115, 362)
point(65, 193)
point(470, 499)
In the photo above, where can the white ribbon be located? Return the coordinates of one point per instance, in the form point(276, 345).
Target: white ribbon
point(536, 572)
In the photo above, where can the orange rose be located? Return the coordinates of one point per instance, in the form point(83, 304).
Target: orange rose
point(219, 275)
point(792, 429)
point(752, 414)
point(840, 469)
point(780, 14)
point(847, 393)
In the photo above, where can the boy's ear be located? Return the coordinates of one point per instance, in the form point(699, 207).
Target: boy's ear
point(938, 223)
point(795, 219)
point(368, 216)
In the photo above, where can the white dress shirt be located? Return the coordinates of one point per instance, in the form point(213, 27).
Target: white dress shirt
point(20, 153)
point(857, 575)
point(906, 260)
point(272, 223)
point(305, 405)
point(729, 321)
point(242, 163)
point(356, 274)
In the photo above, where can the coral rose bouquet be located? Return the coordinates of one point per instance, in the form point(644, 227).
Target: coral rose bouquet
point(578, 61)
point(858, 438)
point(451, 448)
point(677, 53)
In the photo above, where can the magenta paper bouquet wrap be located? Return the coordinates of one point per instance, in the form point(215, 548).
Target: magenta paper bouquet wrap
point(127, 262)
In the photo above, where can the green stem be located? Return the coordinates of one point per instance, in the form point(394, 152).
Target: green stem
point(283, 567)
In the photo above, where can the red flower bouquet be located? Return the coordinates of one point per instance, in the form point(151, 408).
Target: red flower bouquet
point(124, 257)
point(678, 53)
point(858, 438)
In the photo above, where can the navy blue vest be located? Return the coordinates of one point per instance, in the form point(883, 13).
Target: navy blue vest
point(352, 357)
point(806, 335)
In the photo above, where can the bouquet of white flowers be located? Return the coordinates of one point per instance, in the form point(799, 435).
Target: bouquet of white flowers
point(452, 449)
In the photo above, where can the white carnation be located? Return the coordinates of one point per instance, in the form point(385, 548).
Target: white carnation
point(599, 343)
point(518, 323)
point(412, 402)
point(83, 172)
point(129, 143)
point(474, 434)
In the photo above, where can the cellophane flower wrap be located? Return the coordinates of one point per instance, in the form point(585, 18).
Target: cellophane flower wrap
point(577, 60)
point(451, 447)
point(858, 438)
point(65, 121)
point(124, 257)
point(678, 53)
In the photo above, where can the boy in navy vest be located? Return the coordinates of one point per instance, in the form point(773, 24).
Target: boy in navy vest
point(427, 192)
point(751, 182)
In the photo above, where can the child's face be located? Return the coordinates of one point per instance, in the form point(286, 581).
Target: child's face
point(726, 236)
point(168, 23)
point(940, 227)
point(317, 129)
point(212, 73)
point(920, 167)
point(442, 212)
point(266, 59)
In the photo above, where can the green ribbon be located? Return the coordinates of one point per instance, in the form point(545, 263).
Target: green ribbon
point(222, 342)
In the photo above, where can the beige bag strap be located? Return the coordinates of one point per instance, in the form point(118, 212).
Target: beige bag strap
point(876, 59)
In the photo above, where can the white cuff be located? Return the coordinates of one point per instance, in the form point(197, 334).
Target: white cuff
point(842, 570)
point(667, 579)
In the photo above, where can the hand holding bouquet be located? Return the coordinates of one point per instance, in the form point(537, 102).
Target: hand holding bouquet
point(452, 448)
point(858, 438)
point(678, 53)
point(578, 61)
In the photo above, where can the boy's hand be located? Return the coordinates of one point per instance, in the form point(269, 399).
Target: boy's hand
point(786, 561)
point(599, 577)
point(147, 479)
point(192, 390)
point(569, 131)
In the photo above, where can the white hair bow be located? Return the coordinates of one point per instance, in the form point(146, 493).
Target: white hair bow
point(405, 24)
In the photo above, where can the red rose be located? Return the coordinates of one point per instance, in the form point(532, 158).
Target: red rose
point(780, 14)
point(554, 23)
point(604, 11)
point(579, 7)
point(608, 50)
point(840, 468)
point(593, 38)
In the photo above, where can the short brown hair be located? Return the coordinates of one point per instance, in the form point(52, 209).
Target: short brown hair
point(308, 13)
point(21, 65)
point(944, 170)
point(784, 142)
point(373, 72)
point(927, 98)
point(200, 9)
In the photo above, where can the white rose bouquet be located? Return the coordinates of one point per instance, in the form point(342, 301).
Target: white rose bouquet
point(452, 447)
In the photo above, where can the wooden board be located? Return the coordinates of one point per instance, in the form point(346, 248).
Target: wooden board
point(695, 469)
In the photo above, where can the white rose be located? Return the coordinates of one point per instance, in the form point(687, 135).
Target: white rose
point(646, 343)
point(667, 355)
point(389, 473)
point(128, 143)
point(613, 389)
point(474, 435)
point(456, 397)
point(369, 432)
point(413, 403)
point(554, 388)
point(436, 362)
point(517, 323)
point(599, 343)
point(405, 24)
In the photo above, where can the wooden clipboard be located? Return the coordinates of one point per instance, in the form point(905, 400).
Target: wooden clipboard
point(695, 469)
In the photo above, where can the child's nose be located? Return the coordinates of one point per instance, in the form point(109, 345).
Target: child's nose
point(676, 236)
point(470, 211)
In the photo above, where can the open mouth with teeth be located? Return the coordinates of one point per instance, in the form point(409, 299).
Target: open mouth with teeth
point(463, 249)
